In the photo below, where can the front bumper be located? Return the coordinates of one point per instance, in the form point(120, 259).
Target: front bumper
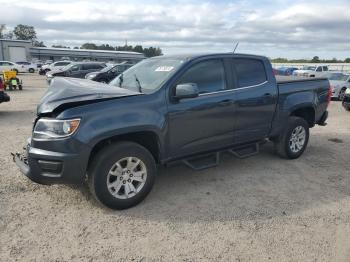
point(49, 167)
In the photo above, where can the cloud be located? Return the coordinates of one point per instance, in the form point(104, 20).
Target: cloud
point(274, 28)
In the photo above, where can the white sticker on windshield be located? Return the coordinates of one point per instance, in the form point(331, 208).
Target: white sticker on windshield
point(164, 69)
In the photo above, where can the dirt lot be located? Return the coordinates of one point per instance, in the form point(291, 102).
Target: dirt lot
point(258, 209)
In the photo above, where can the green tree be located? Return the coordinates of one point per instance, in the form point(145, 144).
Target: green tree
point(347, 60)
point(25, 32)
point(39, 44)
point(2, 30)
point(315, 59)
point(91, 46)
point(60, 46)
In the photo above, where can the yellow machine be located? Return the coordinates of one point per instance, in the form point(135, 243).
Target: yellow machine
point(11, 80)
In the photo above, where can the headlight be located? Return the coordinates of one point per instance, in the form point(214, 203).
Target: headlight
point(347, 91)
point(49, 75)
point(53, 128)
point(90, 76)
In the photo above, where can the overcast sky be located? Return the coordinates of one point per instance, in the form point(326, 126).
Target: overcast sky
point(280, 28)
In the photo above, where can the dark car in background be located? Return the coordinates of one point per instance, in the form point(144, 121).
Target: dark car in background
point(108, 73)
point(286, 71)
point(76, 70)
point(346, 100)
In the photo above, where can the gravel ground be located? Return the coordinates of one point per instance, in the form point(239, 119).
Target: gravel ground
point(257, 209)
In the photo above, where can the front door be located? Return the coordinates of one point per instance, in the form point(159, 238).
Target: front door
point(206, 122)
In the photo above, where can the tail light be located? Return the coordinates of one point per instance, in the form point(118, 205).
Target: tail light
point(1, 85)
point(329, 95)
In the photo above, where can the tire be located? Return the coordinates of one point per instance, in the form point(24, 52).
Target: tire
point(341, 94)
point(104, 171)
point(346, 108)
point(284, 145)
point(31, 70)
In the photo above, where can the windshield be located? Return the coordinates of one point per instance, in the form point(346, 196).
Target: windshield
point(312, 68)
point(107, 68)
point(148, 75)
point(337, 76)
point(67, 67)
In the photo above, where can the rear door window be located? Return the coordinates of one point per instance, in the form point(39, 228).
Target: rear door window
point(325, 68)
point(249, 71)
point(209, 76)
point(62, 63)
point(75, 68)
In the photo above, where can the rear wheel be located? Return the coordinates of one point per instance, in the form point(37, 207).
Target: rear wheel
point(31, 70)
point(294, 139)
point(122, 175)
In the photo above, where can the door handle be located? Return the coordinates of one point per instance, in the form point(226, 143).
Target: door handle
point(267, 94)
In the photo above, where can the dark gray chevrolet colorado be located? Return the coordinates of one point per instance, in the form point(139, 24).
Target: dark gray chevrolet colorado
point(166, 109)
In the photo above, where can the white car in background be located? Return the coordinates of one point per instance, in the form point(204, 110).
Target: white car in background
point(54, 66)
point(311, 71)
point(27, 66)
point(8, 65)
point(339, 83)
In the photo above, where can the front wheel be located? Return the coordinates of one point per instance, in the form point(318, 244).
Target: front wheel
point(341, 94)
point(294, 139)
point(31, 70)
point(122, 175)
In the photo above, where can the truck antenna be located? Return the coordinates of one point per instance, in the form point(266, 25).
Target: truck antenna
point(234, 50)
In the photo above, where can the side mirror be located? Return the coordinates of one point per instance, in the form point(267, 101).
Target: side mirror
point(188, 90)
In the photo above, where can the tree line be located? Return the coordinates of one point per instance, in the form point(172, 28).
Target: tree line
point(26, 32)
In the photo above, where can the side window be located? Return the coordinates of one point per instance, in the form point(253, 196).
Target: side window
point(91, 67)
point(99, 67)
point(75, 68)
point(250, 72)
point(86, 67)
point(325, 68)
point(208, 75)
point(319, 69)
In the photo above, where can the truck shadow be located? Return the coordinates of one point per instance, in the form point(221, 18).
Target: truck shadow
point(261, 187)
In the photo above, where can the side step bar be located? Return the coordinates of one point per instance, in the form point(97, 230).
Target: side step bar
point(209, 160)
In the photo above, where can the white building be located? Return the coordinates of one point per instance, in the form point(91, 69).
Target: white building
point(19, 50)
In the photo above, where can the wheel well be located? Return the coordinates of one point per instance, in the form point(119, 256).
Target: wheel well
point(307, 113)
point(147, 139)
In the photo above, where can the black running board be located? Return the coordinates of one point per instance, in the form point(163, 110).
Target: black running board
point(209, 160)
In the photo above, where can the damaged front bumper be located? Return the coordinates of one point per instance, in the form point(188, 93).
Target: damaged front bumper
point(49, 167)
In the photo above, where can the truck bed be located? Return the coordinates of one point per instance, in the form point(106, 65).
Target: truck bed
point(291, 79)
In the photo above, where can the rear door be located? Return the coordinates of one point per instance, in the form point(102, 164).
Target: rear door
point(256, 98)
point(75, 71)
point(205, 122)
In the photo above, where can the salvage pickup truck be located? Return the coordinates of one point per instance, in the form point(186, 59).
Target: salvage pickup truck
point(188, 109)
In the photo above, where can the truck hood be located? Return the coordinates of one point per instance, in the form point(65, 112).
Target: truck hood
point(69, 92)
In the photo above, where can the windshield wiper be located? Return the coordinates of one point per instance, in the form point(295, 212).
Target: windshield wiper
point(138, 83)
